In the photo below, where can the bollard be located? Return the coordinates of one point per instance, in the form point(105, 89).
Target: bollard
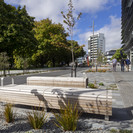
point(2, 81)
point(85, 75)
point(75, 71)
point(71, 72)
point(12, 81)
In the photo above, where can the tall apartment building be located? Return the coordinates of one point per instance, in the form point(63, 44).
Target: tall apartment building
point(127, 28)
point(96, 42)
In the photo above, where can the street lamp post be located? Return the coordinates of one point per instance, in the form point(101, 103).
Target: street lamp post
point(93, 43)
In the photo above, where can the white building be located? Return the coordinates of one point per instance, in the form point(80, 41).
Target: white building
point(109, 55)
point(96, 42)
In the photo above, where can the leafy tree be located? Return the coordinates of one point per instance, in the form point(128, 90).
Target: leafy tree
point(51, 42)
point(16, 34)
point(77, 50)
point(70, 21)
point(119, 54)
point(99, 57)
point(25, 40)
point(21, 63)
point(4, 63)
point(104, 59)
point(6, 23)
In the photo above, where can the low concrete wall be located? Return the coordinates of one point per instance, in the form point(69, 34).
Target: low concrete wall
point(58, 81)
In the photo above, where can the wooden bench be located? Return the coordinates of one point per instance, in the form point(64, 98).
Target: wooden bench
point(95, 101)
point(58, 81)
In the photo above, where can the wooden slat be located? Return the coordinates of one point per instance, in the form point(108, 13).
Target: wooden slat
point(95, 102)
point(52, 99)
point(58, 81)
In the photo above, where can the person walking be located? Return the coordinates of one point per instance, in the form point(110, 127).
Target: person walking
point(114, 61)
point(127, 61)
point(122, 64)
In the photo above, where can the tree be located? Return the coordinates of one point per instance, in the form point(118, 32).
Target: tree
point(99, 57)
point(4, 63)
point(78, 50)
point(52, 42)
point(70, 21)
point(16, 34)
point(104, 59)
point(25, 40)
point(21, 63)
point(119, 54)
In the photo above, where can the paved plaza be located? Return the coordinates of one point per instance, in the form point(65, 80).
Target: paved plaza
point(122, 104)
point(122, 96)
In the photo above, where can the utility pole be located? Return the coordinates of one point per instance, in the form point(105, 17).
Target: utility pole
point(92, 42)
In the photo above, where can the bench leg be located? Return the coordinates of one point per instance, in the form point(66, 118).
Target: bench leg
point(107, 117)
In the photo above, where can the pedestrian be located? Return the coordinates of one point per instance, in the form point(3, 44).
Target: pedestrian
point(127, 61)
point(114, 61)
point(122, 64)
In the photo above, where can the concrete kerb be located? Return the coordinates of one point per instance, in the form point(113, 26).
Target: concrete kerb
point(15, 72)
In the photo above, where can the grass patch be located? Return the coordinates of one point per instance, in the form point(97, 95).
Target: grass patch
point(120, 131)
point(36, 118)
point(8, 113)
point(67, 118)
point(101, 84)
point(125, 131)
point(91, 85)
point(112, 87)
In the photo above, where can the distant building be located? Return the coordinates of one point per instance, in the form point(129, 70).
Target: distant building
point(95, 43)
point(127, 28)
point(109, 55)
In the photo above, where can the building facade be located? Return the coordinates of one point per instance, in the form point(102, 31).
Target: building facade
point(109, 55)
point(127, 28)
point(96, 42)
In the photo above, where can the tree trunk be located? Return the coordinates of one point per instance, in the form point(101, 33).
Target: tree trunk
point(53, 61)
point(4, 71)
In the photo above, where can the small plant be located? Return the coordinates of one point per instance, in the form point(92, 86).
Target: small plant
point(91, 85)
point(68, 117)
point(125, 131)
point(98, 70)
point(91, 70)
point(112, 87)
point(37, 118)
point(114, 131)
point(101, 84)
point(8, 113)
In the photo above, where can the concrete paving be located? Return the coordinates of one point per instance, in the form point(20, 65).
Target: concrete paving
point(122, 96)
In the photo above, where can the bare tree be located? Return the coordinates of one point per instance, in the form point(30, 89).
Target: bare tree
point(70, 20)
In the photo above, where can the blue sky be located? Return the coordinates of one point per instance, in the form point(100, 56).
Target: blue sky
point(106, 15)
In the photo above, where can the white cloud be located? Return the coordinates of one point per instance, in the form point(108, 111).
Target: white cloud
point(42, 9)
point(111, 31)
point(90, 5)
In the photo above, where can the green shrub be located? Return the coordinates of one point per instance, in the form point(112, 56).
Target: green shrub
point(114, 131)
point(49, 64)
point(36, 118)
point(8, 113)
point(101, 84)
point(91, 85)
point(68, 117)
point(125, 131)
